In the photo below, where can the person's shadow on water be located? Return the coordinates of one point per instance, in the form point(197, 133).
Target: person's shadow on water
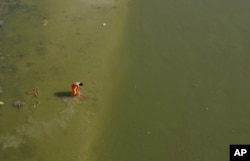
point(63, 94)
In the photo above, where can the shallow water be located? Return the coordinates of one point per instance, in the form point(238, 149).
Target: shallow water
point(167, 80)
point(48, 45)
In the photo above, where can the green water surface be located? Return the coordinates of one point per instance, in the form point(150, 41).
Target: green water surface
point(48, 45)
point(184, 94)
point(165, 80)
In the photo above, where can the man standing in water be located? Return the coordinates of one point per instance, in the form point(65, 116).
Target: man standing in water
point(76, 86)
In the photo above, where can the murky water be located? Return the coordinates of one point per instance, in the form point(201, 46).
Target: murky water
point(184, 91)
point(165, 80)
point(45, 46)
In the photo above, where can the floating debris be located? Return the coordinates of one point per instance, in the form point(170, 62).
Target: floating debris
point(104, 24)
point(18, 104)
point(34, 92)
point(1, 103)
point(35, 104)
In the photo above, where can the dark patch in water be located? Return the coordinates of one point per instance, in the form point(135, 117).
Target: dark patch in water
point(29, 64)
point(18, 6)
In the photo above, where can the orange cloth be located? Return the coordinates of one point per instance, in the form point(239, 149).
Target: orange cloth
point(74, 90)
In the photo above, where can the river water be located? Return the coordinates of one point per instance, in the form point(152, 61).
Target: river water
point(165, 80)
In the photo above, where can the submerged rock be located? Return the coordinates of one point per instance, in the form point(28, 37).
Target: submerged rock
point(18, 104)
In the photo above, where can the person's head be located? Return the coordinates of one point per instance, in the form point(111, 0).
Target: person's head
point(81, 84)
